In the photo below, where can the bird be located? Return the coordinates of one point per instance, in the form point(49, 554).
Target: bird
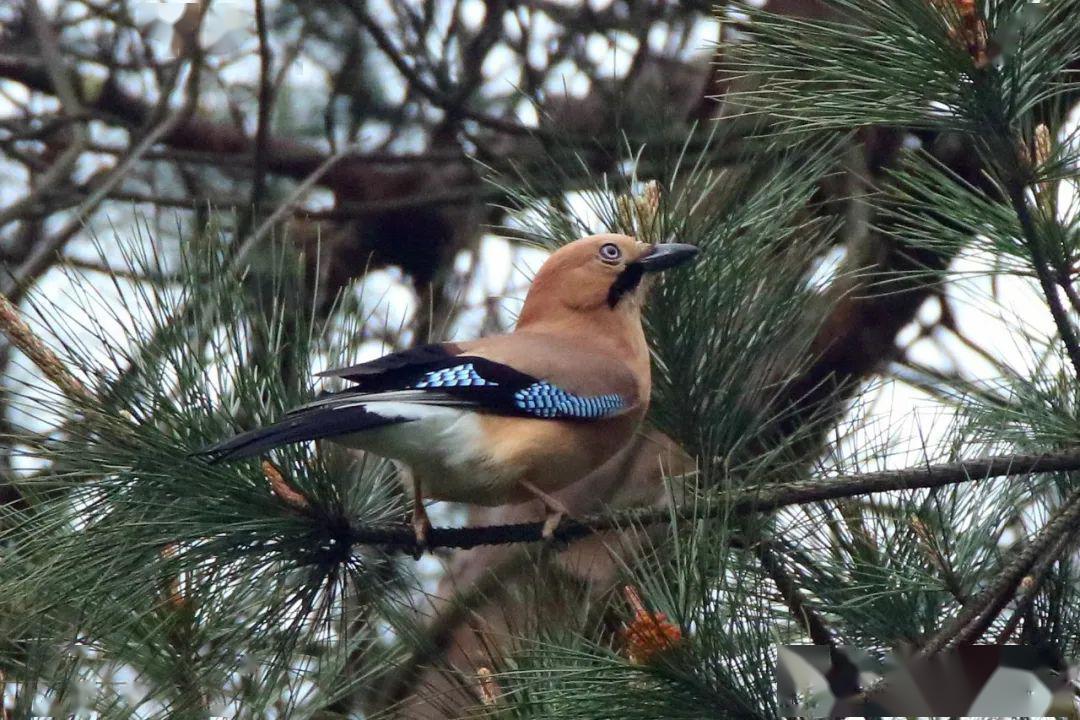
point(507, 418)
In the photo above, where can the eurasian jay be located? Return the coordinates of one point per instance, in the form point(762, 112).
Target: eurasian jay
point(506, 418)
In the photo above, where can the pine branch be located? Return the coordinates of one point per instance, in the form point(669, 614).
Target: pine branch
point(977, 616)
point(1031, 584)
point(1038, 257)
point(23, 338)
point(744, 502)
point(807, 616)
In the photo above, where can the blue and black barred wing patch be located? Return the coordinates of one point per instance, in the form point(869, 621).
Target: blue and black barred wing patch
point(429, 367)
point(461, 375)
point(480, 384)
point(545, 400)
point(500, 389)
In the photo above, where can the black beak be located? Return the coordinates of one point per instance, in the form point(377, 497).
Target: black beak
point(664, 256)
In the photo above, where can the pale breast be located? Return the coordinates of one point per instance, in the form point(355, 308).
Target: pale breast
point(444, 449)
point(463, 456)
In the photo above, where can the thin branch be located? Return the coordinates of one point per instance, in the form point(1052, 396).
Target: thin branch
point(354, 178)
point(54, 64)
point(1042, 268)
point(432, 93)
point(69, 102)
point(345, 209)
point(977, 615)
point(119, 272)
point(266, 103)
point(46, 253)
point(23, 338)
point(286, 208)
point(1033, 582)
point(801, 610)
point(243, 158)
point(743, 502)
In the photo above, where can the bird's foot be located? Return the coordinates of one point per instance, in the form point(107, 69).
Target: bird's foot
point(422, 528)
point(556, 511)
point(551, 523)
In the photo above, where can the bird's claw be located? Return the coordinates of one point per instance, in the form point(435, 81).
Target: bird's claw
point(422, 528)
point(552, 521)
point(551, 524)
point(556, 511)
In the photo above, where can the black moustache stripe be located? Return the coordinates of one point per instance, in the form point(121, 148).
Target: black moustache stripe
point(625, 282)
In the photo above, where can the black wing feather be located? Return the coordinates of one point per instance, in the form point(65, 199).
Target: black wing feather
point(390, 367)
point(405, 370)
point(315, 424)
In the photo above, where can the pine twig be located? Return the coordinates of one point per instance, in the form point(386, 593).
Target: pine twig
point(1016, 189)
point(282, 489)
point(23, 338)
point(1031, 583)
point(929, 546)
point(801, 610)
point(741, 503)
point(1039, 259)
point(973, 620)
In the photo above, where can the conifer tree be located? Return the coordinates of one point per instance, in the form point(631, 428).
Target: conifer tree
point(857, 163)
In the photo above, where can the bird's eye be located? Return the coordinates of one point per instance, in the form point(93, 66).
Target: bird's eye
point(610, 252)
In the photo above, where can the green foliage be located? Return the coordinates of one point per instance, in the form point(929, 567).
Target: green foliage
point(909, 64)
point(744, 306)
point(722, 667)
point(156, 559)
point(136, 556)
point(728, 333)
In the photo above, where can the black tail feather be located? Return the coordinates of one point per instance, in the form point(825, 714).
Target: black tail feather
point(316, 424)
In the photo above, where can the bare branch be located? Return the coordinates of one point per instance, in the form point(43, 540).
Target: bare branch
point(266, 105)
point(46, 252)
point(72, 108)
point(432, 93)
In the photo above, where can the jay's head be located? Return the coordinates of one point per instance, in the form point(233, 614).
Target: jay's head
point(607, 273)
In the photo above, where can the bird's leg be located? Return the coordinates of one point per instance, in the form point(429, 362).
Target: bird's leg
point(420, 522)
point(556, 511)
